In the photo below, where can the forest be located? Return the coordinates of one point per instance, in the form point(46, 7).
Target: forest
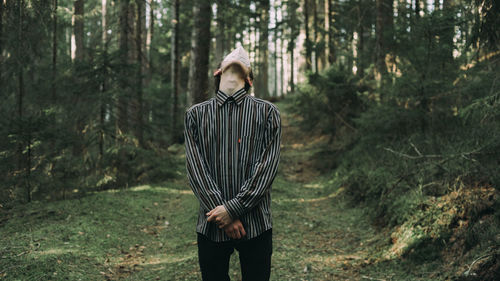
point(390, 148)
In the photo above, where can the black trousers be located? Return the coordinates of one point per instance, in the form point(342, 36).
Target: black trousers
point(255, 257)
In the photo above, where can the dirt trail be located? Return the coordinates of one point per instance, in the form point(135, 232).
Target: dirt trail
point(315, 235)
point(315, 230)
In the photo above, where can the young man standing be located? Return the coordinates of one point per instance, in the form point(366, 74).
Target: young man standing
point(232, 154)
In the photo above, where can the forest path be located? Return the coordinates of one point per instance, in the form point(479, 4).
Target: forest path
point(316, 235)
point(148, 232)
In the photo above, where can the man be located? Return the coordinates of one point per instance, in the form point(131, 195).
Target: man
point(232, 155)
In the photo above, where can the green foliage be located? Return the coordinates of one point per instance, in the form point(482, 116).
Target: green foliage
point(329, 101)
point(430, 127)
point(60, 136)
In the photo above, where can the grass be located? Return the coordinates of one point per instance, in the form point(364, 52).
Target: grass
point(148, 232)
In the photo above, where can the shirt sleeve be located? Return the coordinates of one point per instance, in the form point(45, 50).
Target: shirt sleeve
point(202, 184)
point(255, 187)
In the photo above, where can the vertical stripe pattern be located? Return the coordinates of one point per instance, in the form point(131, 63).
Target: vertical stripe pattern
point(232, 156)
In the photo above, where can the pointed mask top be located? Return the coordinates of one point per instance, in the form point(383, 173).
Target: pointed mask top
point(239, 56)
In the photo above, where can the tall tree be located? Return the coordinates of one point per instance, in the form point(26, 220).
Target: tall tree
point(139, 115)
point(200, 49)
point(122, 105)
point(308, 43)
point(275, 55)
point(449, 29)
point(328, 33)
point(221, 30)
point(77, 37)
point(54, 48)
point(1, 28)
point(292, 24)
point(384, 32)
point(262, 89)
point(102, 104)
point(363, 27)
point(77, 54)
point(282, 52)
point(320, 48)
point(20, 90)
point(175, 66)
point(149, 38)
point(315, 34)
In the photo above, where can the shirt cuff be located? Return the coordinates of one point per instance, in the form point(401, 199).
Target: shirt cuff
point(234, 208)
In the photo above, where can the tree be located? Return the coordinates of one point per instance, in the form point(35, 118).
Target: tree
point(261, 88)
point(122, 105)
point(200, 49)
point(308, 43)
point(384, 27)
point(175, 66)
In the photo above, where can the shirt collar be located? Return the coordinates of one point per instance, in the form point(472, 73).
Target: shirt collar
point(238, 96)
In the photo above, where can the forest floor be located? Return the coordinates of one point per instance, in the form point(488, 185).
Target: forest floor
point(148, 232)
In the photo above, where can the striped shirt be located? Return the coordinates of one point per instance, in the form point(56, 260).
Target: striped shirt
point(232, 155)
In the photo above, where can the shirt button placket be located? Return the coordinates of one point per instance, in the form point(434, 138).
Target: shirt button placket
point(230, 133)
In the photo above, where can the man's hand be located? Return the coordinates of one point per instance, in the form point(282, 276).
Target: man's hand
point(235, 229)
point(220, 215)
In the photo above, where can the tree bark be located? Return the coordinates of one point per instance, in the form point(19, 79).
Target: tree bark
point(149, 39)
point(220, 39)
point(77, 40)
point(139, 116)
point(200, 48)
point(291, 49)
point(307, 41)
point(275, 55)
point(384, 28)
point(449, 31)
point(54, 49)
point(315, 34)
point(175, 67)
point(20, 94)
point(262, 79)
point(330, 31)
point(78, 56)
point(360, 57)
point(102, 105)
point(122, 106)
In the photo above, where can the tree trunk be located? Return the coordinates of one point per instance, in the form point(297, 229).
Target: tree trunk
point(77, 38)
point(282, 63)
point(149, 39)
point(384, 28)
point(262, 79)
point(198, 68)
point(275, 55)
point(1, 32)
point(330, 42)
point(307, 41)
point(148, 65)
point(20, 95)
point(54, 49)
point(175, 67)
point(139, 116)
point(102, 105)
point(220, 40)
point(360, 58)
point(315, 34)
point(291, 48)
point(449, 31)
point(77, 55)
point(122, 106)
point(327, 33)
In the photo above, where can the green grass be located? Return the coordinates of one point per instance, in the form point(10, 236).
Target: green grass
point(148, 233)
